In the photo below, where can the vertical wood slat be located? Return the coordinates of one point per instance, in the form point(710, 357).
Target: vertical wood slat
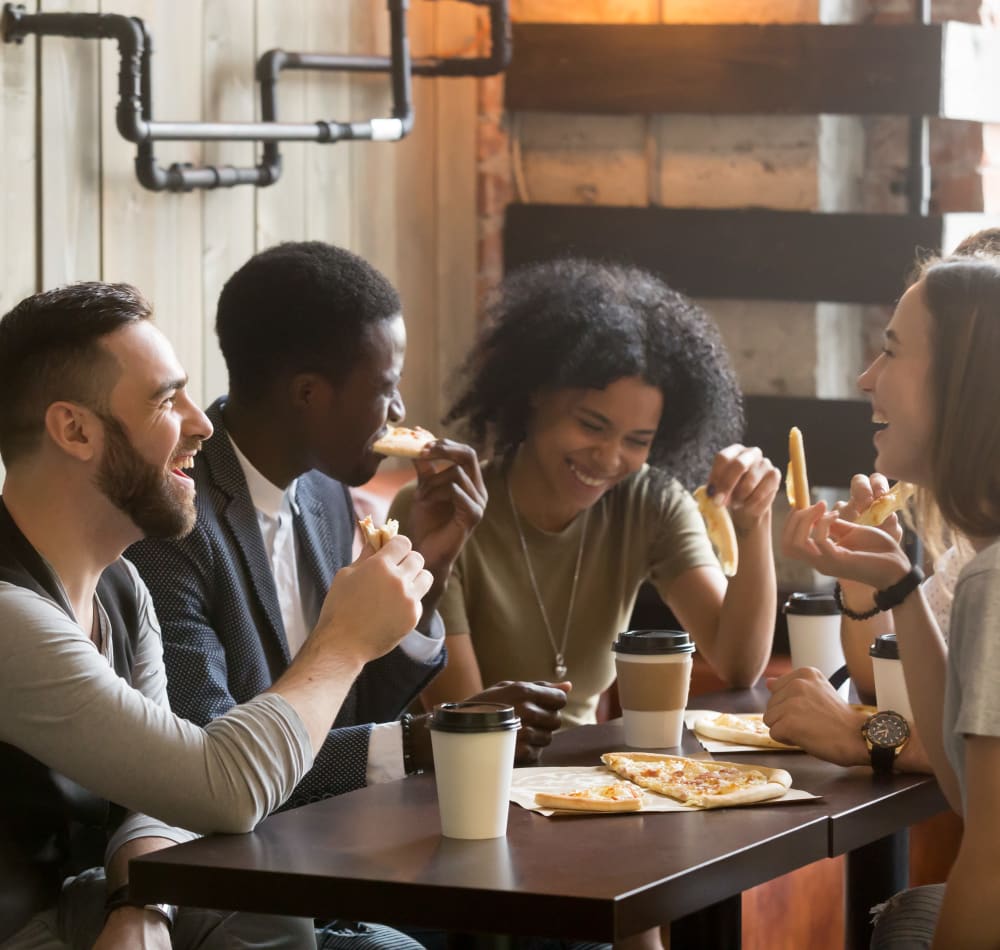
point(154, 239)
point(70, 154)
point(455, 233)
point(18, 199)
point(229, 214)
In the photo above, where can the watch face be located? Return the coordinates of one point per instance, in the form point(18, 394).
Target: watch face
point(887, 729)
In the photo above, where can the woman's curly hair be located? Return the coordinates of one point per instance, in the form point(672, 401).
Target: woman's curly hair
point(579, 324)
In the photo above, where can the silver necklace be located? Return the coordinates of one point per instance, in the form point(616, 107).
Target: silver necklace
point(558, 649)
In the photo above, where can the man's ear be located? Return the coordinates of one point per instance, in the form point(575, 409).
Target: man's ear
point(74, 429)
point(304, 389)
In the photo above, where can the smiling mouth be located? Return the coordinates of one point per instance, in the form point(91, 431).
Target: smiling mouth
point(588, 480)
point(184, 463)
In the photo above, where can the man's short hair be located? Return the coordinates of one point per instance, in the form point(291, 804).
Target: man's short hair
point(298, 307)
point(50, 351)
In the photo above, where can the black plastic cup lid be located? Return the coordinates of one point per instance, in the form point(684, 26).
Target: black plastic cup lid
point(815, 604)
point(474, 717)
point(653, 642)
point(885, 647)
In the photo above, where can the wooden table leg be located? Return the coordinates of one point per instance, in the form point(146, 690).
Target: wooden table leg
point(718, 926)
point(873, 873)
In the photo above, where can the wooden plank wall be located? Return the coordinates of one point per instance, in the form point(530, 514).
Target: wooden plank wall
point(73, 210)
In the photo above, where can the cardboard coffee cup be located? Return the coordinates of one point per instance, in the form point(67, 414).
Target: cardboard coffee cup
point(473, 745)
point(654, 673)
point(814, 633)
point(890, 685)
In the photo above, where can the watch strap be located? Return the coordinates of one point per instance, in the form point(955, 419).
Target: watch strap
point(882, 758)
point(119, 897)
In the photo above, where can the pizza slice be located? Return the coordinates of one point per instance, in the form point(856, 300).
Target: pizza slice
point(883, 506)
point(403, 442)
point(376, 537)
point(722, 534)
point(797, 478)
point(619, 796)
point(743, 728)
point(699, 783)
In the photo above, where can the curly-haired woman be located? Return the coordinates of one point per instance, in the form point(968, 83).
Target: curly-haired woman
point(601, 396)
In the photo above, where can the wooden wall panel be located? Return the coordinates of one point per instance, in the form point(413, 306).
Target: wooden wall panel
point(149, 239)
point(18, 208)
point(229, 93)
point(70, 153)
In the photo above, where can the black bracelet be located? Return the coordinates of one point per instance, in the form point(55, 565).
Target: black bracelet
point(838, 596)
point(406, 723)
point(894, 595)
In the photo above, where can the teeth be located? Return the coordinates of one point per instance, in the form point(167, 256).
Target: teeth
point(586, 479)
point(879, 419)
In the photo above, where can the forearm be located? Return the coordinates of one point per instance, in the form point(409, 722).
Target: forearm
point(316, 685)
point(965, 921)
point(742, 645)
point(857, 636)
point(117, 867)
point(924, 655)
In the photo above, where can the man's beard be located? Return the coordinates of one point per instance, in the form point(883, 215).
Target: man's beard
point(151, 497)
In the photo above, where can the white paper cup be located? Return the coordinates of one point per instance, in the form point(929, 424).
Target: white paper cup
point(473, 746)
point(890, 684)
point(814, 634)
point(654, 674)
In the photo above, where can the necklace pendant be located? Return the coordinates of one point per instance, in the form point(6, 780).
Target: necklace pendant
point(560, 668)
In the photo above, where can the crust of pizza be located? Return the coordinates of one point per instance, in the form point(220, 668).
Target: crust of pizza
point(721, 532)
point(883, 506)
point(797, 479)
point(403, 442)
point(699, 783)
point(619, 796)
point(744, 728)
point(376, 537)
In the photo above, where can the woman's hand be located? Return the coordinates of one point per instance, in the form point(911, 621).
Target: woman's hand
point(865, 490)
point(745, 480)
point(838, 548)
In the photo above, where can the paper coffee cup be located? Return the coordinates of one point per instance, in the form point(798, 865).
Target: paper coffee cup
point(473, 745)
point(890, 684)
point(654, 673)
point(814, 634)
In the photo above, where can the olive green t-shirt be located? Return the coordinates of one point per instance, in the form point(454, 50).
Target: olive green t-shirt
point(646, 527)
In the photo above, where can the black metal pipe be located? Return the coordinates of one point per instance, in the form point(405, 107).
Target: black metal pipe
point(134, 110)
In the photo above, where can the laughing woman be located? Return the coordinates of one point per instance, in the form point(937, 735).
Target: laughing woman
point(936, 387)
point(601, 396)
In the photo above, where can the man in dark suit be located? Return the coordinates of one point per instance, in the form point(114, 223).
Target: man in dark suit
point(314, 340)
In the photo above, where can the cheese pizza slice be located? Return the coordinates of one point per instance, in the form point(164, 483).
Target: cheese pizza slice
point(699, 783)
point(742, 728)
point(883, 506)
point(722, 534)
point(618, 796)
point(376, 537)
point(403, 442)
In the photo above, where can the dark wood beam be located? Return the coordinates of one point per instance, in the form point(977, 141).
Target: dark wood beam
point(744, 254)
point(837, 434)
point(950, 70)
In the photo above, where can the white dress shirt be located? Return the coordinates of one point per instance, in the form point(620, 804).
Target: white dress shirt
point(300, 605)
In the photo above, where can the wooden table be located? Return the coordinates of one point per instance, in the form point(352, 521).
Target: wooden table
point(377, 853)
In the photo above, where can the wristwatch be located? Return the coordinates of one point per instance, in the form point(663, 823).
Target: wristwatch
point(885, 734)
point(119, 898)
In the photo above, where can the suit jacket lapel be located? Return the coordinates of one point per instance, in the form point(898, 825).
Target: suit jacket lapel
point(240, 515)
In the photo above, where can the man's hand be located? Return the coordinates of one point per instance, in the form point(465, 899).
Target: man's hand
point(372, 604)
point(448, 503)
point(745, 480)
point(538, 706)
point(133, 928)
point(805, 710)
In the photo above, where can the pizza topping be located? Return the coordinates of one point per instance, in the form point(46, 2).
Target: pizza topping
point(696, 782)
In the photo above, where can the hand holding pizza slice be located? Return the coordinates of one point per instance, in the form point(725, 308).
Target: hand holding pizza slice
point(376, 537)
point(892, 501)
